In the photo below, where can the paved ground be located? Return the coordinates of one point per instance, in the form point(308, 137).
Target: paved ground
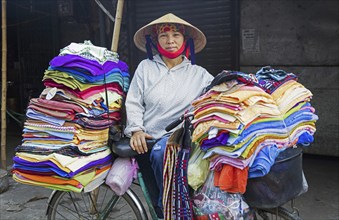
point(321, 202)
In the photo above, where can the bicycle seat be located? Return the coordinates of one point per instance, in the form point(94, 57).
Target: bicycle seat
point(123, 149)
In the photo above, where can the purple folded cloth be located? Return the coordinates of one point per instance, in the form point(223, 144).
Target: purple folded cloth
point(92, 67)
point(95, 163)
point(220, 140)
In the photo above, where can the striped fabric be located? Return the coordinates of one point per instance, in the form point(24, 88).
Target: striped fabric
point(181, 204)
point(176, 200)
point(169, 162)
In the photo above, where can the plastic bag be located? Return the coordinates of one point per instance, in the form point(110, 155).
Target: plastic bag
point(121, 174)
point(210, 200)
point(197, 169)
point(305, 185)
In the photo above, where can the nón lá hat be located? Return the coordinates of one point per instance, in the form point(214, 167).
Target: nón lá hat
point(190, 31)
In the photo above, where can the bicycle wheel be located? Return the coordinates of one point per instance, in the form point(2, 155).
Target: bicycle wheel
point(101, 203)
point(275, 213)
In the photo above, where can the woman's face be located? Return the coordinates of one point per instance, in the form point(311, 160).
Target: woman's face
point(171, 41)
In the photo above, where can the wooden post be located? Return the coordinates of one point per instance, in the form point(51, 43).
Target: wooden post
point(114, 47)
point(117, 24)
point(4, 85)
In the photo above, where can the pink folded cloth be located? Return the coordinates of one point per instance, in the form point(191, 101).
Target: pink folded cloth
point(114, 87)
point(56, 105)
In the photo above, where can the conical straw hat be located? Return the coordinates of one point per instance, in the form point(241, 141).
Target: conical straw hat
point(191, 31)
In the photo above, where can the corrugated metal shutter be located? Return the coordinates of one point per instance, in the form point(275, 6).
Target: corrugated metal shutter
point(216, 18)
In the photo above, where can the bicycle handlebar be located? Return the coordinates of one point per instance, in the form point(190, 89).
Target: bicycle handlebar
point(123, 149)
point(174, 124)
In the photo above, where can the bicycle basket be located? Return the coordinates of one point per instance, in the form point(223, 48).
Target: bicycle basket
point(283, 183)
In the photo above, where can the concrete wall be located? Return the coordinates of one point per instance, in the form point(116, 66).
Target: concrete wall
point(300, 36)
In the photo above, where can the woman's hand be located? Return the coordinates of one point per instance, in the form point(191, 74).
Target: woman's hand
point(138, 141)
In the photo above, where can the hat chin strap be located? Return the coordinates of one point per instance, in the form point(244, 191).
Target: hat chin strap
point(190, 50)
point(188, 47)
point(148, 45)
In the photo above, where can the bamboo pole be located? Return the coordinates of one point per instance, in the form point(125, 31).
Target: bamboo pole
point(117, 24)
point(114, 48)
point(4, 85)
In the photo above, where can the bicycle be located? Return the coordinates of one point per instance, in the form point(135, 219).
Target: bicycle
point(103, 203)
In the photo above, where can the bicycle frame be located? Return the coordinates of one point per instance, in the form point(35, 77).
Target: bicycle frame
point(147, 196)
point(277, 212)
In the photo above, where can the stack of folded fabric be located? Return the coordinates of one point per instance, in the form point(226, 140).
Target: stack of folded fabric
point(293, 101)
point(65, 135)
point(242, 127)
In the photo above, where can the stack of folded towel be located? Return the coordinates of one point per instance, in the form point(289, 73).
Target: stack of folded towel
point(65, 136)
point(245, 120)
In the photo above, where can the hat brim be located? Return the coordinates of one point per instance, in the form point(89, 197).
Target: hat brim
point(190, 30)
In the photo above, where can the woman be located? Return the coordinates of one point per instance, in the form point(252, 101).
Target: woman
point(163, 86)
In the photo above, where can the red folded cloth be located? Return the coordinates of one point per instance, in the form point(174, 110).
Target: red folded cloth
point(231, 179)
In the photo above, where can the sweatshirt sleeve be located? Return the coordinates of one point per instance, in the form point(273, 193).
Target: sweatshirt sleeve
point(135, 103)
point(207, 79)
